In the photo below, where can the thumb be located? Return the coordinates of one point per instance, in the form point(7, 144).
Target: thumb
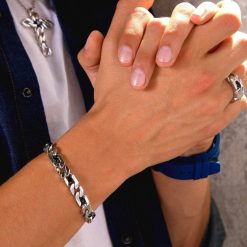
point(89, 56)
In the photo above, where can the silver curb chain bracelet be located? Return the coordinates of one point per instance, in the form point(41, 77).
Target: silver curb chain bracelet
point(71, 182)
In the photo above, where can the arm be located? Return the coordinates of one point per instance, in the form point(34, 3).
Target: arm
point(111, 144)
point(185, 205)
point(36, 208)
point(186, 211)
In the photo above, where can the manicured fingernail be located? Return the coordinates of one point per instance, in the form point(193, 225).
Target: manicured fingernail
point(200, 11)
point(138, 78)
point(164, 54)
point(125, 54)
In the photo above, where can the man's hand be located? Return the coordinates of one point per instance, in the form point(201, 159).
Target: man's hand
point(135, 50)
point(139, 51)
point(185, 103)
point(183, 85)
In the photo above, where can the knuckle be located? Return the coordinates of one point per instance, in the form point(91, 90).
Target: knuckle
point(135, 27)
point(140, 13)
point(179, 26)
point(130, 35)
point(208, 5)
point(172, 31)
point(156, 25)
point(185, 9)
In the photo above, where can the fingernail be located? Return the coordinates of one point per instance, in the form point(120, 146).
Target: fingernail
point(138, 78)
point(164, 54)
point(200, 11)
point(125, 54)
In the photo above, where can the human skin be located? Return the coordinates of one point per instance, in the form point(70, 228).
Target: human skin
point(141, 52)
point(185, 204)
point(124, 133)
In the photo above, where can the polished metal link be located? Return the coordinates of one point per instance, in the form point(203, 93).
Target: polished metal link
point(71, 181)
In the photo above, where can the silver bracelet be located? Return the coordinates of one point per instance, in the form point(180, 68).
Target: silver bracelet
point(71, 182)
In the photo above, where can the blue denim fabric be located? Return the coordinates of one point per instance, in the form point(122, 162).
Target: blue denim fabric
point(133, 212)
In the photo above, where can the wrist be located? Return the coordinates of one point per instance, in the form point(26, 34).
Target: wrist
point(193, 167)
point(87, 151)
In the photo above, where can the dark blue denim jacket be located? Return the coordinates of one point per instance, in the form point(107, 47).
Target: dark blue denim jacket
point(133, 212)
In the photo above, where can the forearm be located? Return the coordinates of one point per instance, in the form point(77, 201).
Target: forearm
point(185, 206)
point(35, 205)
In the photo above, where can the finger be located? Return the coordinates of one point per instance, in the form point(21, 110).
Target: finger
point(175, 34)
point(132, 35)
point(204, 13)
point(89, 56)
point(224, 93)
point(225, 23)
point(123, 11)
point(232, 109)
point(227, 117)
point(144, 63)
point(229, 55)
point(231, 112)
point(241, 73)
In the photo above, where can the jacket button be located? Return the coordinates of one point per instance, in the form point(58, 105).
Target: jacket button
point(127, 240)
point(27, 93)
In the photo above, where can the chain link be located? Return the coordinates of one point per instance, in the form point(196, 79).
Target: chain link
point(71, 181)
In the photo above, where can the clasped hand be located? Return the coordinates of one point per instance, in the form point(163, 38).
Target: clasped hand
point(179, 69)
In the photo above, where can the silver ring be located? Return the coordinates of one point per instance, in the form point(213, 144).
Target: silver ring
point(237, 86)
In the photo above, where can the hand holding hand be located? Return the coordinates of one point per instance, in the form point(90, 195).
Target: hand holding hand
point(134, 49)
point(140, 52)
point(192, 104)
